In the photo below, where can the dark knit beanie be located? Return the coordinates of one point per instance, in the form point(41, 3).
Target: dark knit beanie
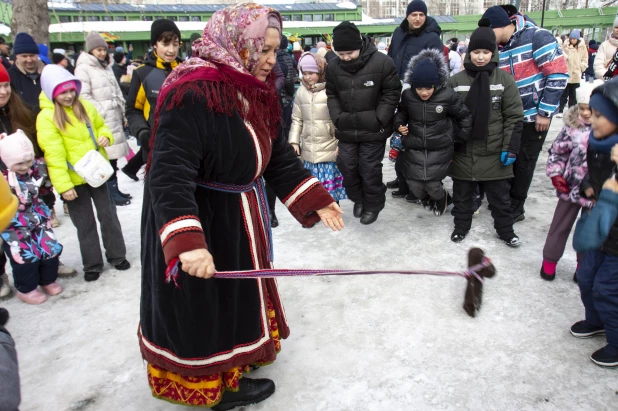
point(604, 106)
point(416, 5)
point(57, 58)
point(497, 16)
point(483, 37)
point(161, 26)
point(346, 37)
point(425, 74)
point(118, 56)
point(284, 43)
point(24, 44)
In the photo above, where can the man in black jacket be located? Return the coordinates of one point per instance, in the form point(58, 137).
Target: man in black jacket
point(363, 91)
point(26, 72)
point(417, 32)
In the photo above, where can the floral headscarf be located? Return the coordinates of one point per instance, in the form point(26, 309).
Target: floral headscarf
point(221, 65)
point(321, 62)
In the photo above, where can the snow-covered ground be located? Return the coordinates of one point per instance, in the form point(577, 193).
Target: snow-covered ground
point(357, 343)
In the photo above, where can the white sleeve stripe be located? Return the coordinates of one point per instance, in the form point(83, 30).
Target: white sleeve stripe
point(301, 190)
point(190, 222)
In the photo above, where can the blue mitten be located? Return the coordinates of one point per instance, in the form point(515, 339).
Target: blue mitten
point(507, 158)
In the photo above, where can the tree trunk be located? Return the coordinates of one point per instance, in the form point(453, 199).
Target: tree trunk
point(32, 17)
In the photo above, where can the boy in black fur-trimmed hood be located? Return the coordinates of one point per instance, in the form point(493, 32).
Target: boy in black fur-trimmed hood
point(425, 118)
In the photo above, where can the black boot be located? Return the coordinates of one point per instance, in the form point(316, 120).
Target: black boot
point(125, 195)
point(369, 217)
point(442, 204)
point(392, 184)
point(358, 210)
point(123, 265)
point(250, 391)
point(112, 186)
point(129, 173)
point(273, 219)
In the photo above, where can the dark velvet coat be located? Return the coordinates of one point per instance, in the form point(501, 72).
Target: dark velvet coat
point(202, 327)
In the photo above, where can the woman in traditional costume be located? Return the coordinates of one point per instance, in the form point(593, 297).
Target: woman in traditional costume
point(217, 133)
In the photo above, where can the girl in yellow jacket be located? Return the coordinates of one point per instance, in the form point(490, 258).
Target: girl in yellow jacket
point(64, 128)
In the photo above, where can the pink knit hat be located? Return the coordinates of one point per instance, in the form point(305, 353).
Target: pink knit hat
point(62, 87)
point(15, 148)
point(308, 63)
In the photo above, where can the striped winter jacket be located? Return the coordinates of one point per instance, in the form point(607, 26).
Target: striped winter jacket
point(535, 60)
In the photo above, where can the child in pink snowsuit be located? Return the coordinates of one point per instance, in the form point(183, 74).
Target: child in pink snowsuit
point(29, 241)
point(567, 167)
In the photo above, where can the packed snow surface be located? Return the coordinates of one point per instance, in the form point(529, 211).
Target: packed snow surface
point(357, 343)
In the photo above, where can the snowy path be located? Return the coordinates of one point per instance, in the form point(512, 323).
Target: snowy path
point(359, 343)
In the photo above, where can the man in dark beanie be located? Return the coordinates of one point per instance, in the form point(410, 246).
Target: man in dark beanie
point(363, 91)
point(417, 32)
point(146, 82)
point(535, 60)
point(120, 65)
point(26, 72)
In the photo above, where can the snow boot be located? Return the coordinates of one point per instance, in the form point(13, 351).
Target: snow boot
point(441, 205)
point(391, 185)
point(129, 174)
point(548, 271)
point(64, 271)
point(369, 217)
point(583, 329)
point(411, 198)
point(5, 288)
point(358, 210)
point(458, 236)
point(250, 391)
point(122, 266)
point(34, 297)
point(399, 194)
point(519, 218)
point(125, 195)
point(274, 222)
point(91, 275)
point(52, 289)
point(605, 357)
point(428, 203)
point(54, 219)
point(112, 186)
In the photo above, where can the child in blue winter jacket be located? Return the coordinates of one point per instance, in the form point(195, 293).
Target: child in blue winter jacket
point(597, 275)
point(29, 241)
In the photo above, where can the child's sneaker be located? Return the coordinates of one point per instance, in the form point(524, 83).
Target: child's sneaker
point(513, 241)
point(52, 289)
point(605, 357)
point(5, 289)
point(583, 329)
point(34, 297)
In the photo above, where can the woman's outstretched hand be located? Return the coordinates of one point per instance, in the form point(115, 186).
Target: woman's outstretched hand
point(198, 263)
point(331, 217)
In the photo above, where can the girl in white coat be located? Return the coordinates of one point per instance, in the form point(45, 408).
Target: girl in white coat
point(312, 132)
point(99, 86)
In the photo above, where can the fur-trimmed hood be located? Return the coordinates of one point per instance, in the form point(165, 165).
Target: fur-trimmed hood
point(437, 56)
point(571, 118)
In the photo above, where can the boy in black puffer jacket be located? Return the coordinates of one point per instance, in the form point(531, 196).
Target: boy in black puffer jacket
point(363, 90)
point(425, 117)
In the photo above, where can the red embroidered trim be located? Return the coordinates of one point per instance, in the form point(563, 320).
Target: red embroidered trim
point(184, 217)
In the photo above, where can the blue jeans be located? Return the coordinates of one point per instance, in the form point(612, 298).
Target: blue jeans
point(597, 277)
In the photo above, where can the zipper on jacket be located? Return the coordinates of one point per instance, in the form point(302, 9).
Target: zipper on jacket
point(424, 138)
point(354, 111)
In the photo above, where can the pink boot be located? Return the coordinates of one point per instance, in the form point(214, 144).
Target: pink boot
point(33, 297)
point(52, 289)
